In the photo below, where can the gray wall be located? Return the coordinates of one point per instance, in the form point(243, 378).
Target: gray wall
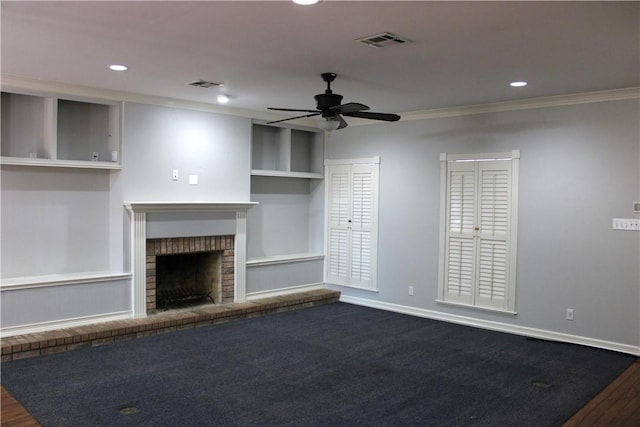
point(579, 169)
point(40, 306)
point(157, 140)
point(265, 278)
point(279, 224)
point(54, 220)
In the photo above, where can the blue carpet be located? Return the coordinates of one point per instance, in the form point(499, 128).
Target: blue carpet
point(330, 365)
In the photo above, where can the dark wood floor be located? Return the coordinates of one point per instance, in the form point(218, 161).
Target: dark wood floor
point(13, 413)
point(617, 405)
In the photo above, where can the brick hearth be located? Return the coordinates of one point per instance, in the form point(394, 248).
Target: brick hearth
point(60, 340)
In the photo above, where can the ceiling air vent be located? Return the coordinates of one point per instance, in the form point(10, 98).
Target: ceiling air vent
point(204, 84)
point(383, 40)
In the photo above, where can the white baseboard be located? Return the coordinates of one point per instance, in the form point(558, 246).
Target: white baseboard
point(284, 291)
point(61, 324)
point(494, 326)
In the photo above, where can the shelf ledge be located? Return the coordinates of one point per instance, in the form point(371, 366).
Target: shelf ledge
point(28, 161)
point(284, 259)
point(286, 174)
point(48, 280)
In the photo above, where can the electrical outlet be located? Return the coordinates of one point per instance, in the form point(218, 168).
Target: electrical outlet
point(410, 290)
point(175, 174)
point(569, 313)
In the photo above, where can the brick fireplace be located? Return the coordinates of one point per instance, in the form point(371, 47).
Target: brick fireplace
point(233, 245)
point(222, 286)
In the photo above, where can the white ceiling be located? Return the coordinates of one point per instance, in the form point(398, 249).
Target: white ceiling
point(271, 53)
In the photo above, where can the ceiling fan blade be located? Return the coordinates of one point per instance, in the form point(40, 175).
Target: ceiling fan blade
point(290, 109)
point(374, 116)
point(350, 107)
point(343, 123)
point(296, 117)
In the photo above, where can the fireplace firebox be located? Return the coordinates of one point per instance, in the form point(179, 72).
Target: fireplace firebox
point(189, 270)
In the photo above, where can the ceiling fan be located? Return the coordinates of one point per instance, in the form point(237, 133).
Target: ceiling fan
point(329, 107)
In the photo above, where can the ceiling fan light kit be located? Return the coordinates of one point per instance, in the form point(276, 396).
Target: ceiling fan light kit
point(329, 125)
point(329, 106)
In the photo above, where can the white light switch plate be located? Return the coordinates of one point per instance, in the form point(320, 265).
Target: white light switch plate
point(193, 179)
point(627, 224)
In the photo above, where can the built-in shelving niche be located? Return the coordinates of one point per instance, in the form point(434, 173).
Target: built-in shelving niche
point(285, 230)
point(286, 151)
point(51, 131)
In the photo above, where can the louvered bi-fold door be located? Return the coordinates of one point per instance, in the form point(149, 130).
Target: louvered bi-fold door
point(477, 231)
point(352, 214)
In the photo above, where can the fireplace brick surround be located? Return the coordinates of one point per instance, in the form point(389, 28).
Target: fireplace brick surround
point(180, 211)
point(187, 245)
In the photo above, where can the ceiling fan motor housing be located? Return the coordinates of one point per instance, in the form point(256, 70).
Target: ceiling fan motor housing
point(325, 101)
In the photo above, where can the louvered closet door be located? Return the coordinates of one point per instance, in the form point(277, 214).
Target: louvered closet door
point(493, 218)
point(362, 192)
point(339, 210)
point(461, 208)
point(352, 213)
point(477, 230)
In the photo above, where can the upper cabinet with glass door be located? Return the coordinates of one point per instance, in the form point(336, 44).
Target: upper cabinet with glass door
point(53, 131)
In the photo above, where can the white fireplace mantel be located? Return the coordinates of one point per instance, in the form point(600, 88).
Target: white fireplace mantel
point(139, 212)
point(189, 206)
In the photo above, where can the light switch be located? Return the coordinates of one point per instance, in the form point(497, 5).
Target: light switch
point(626, 224)
point(193, 179)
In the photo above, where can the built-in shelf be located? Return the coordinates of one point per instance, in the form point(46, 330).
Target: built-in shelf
point(284, 259)
point(281, 151)
point(21, 161)
point(46, 130)
point(47, 280)
point(283, 174)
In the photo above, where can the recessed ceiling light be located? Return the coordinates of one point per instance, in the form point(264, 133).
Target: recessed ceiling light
point(116, 67)
point(518, 84)
point(305, 2)
point(223, 99)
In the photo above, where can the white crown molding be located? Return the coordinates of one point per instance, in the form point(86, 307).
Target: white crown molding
point(40, 87)
point(492, 325)
point(19, 84)
point(525, 104)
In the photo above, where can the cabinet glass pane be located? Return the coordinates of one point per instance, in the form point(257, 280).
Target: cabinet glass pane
point(23, 126)
point(83, 131)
